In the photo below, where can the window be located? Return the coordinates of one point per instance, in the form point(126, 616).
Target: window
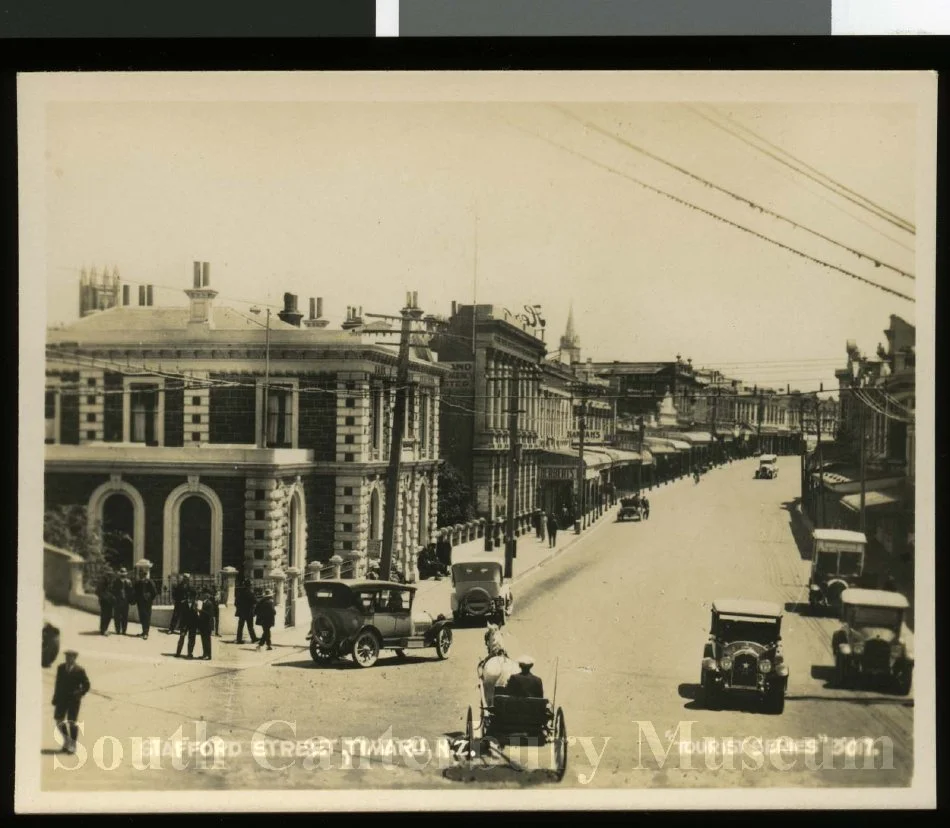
point(423, 422)
point(51, 415)
point(376, 417)
point(281, 411)
point(196, 400)
point(143, 413)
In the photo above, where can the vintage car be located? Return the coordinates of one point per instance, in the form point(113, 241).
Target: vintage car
point(479, 590)
point(837, 563)
point(874, 640)
point(768, 467)
point(362, 617)
point(50, 643)
point(744, 653)
point(631, 508)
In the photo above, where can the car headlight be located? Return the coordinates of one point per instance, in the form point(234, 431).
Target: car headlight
point(726, 663)
point(897, 650)
point(765, 666)
point(858, 647)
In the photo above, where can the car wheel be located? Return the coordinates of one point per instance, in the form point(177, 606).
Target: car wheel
point(842, 673)
point(710, 691)
point(443, 642)
point(320, 654)
point(903, 681)
point(776, 699)
point(366, 649)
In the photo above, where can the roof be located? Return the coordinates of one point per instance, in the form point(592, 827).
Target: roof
point(874, 598)
point(697, 436)
point(362, 583)
point(768, 458)
point(163, 318)
point(742, 606)
point(839, 535)
point(872, 498)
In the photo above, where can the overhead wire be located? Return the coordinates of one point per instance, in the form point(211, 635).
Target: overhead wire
point(746, 201)
point(686, 203)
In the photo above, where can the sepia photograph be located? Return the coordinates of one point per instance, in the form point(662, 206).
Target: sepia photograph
point(476, 440)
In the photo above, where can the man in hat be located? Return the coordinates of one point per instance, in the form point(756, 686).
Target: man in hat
point(145, 592)
point(123, 594)
point(205, 621)
point(266, 616)
point(181, 592)
point(106, 601)
point(188, 623)
point(524, 684)
point(244, 603)
point(72, 684)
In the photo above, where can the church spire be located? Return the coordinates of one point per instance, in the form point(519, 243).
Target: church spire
point(571, 342)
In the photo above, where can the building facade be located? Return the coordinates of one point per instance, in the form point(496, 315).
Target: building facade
point(209, 439)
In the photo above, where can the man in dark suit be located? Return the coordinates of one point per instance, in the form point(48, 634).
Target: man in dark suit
point(205, 621)
point(123, 594)
point(72, 684)
point(145, 592)
point(106, 602)
point(181, 592)
point(524, 684)
point(266, 617)
point(244, 602)
point(188, 622)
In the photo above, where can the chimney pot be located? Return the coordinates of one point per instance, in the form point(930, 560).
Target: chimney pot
point(454, 307)
point(288, 302)
point(408, 299)
point(125, 294)
point(205, 274)
point(197, 274)
point(319, 307)
point(415, 299)
point(148, 295)
point(313, 308)
point(360, 314)
point(141, 295)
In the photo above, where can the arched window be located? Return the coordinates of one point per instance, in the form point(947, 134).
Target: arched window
point(118, 530)
point(195, 536)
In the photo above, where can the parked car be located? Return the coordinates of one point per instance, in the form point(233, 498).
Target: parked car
point(362, 617)
point(479, 590)
point(768, 467)
point(837, 563)
point(874, 641)
point(631, 508)
point(50, 643)
point(744, 653)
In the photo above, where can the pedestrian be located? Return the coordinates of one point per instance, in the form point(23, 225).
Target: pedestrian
point(542, 526)
point(552, 531)
point(443, 549)
point(646, 508)
point(72, 684)
point(217, 609)
point(244, 603)
point(106, 602)
point(188, 623)
point(205, 621)
point(180, 593)
point(266, 616)
point(145, 594)
point(124, 594)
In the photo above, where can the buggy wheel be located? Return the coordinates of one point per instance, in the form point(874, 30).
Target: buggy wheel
point(470, 751)
point(443, 642)
point(366, 649)
point(560, 745)
point(320, 655)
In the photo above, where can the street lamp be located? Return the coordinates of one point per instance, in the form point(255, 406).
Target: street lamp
point(263, 436)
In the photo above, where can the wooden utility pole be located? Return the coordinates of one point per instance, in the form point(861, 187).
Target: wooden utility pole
point(514, 461)
point(715, 401)
point(582, 429)
point(409, 313)
point(820, 514)
point(640, 428)
point(864, 482)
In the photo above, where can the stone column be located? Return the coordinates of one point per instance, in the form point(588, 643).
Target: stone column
point(313, 571)
point(489, 392)
point(280, 583)
point(293, 583)
point(337, 563)
point(228, 585)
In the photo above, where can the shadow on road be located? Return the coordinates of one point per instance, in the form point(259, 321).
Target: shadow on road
point(822, 672)
point(746, 702)
point(797, 529)
point(799, 608)
point(493, 766)
point(347, 664)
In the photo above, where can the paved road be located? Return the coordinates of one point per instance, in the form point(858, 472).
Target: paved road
point(625, 611)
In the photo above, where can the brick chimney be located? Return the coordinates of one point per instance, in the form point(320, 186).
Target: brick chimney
point(202, 298)
point(354, 318)
point(316, 319)
point(290, 314)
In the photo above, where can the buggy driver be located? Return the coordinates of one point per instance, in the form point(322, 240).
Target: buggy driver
point(525, 684)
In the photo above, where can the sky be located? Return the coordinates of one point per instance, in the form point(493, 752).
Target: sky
point(360, 202)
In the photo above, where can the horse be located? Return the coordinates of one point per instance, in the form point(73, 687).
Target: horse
point(496, 668)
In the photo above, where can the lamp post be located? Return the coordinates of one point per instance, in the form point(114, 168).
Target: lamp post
point(263, 434)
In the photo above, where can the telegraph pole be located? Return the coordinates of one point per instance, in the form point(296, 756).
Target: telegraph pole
point(821, 465)
point(863, 520)
point(409, 313)
point(640, 428)
point(514, 460)
point(582, 428)
point(715, 401)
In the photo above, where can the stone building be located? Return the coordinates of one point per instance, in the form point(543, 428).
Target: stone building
point(212, 439)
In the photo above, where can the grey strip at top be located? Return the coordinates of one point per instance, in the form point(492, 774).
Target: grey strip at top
point(527, 18)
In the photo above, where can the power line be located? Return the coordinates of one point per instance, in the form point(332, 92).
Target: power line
point(716, 216)
point(877, 210)
point(752, 204)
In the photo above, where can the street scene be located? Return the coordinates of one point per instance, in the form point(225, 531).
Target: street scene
point(486, 446)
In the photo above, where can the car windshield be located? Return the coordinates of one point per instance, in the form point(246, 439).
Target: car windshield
point(761, 632)
point(889, 617)
point(477, 572)
point(827, 563)
point(850, 563)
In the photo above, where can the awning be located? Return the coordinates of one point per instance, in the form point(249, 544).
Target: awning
point(562, 465)
point(658, 446)
point(872, 499)
point(680, 445)
point(697, 437)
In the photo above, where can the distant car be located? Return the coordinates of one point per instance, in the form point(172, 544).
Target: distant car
point(874, 640)
point(361, 617)
point(50, 643)
point(837, 563)
point(744, 653)
point(631, 508)
point(768, 467)
point(479, 590)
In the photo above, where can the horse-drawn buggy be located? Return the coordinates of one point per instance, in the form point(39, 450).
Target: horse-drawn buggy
point(508, 715)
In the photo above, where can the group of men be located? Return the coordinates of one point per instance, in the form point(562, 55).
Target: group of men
point(116, 592)
point(195, 614)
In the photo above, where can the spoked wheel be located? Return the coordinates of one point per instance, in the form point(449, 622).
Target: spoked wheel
point(366, 649)
point(443, 642)
point(560, 745)
point(319, 653)
point(470, 751)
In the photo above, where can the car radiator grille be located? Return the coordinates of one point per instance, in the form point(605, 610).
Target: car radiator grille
point(877, 655)
point(744, 671)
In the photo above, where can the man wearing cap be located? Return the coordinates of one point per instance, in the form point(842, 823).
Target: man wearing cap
point(71, 685)
point(145, 592)
point(122, 593)
point(266, 616)
point(524, 684)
